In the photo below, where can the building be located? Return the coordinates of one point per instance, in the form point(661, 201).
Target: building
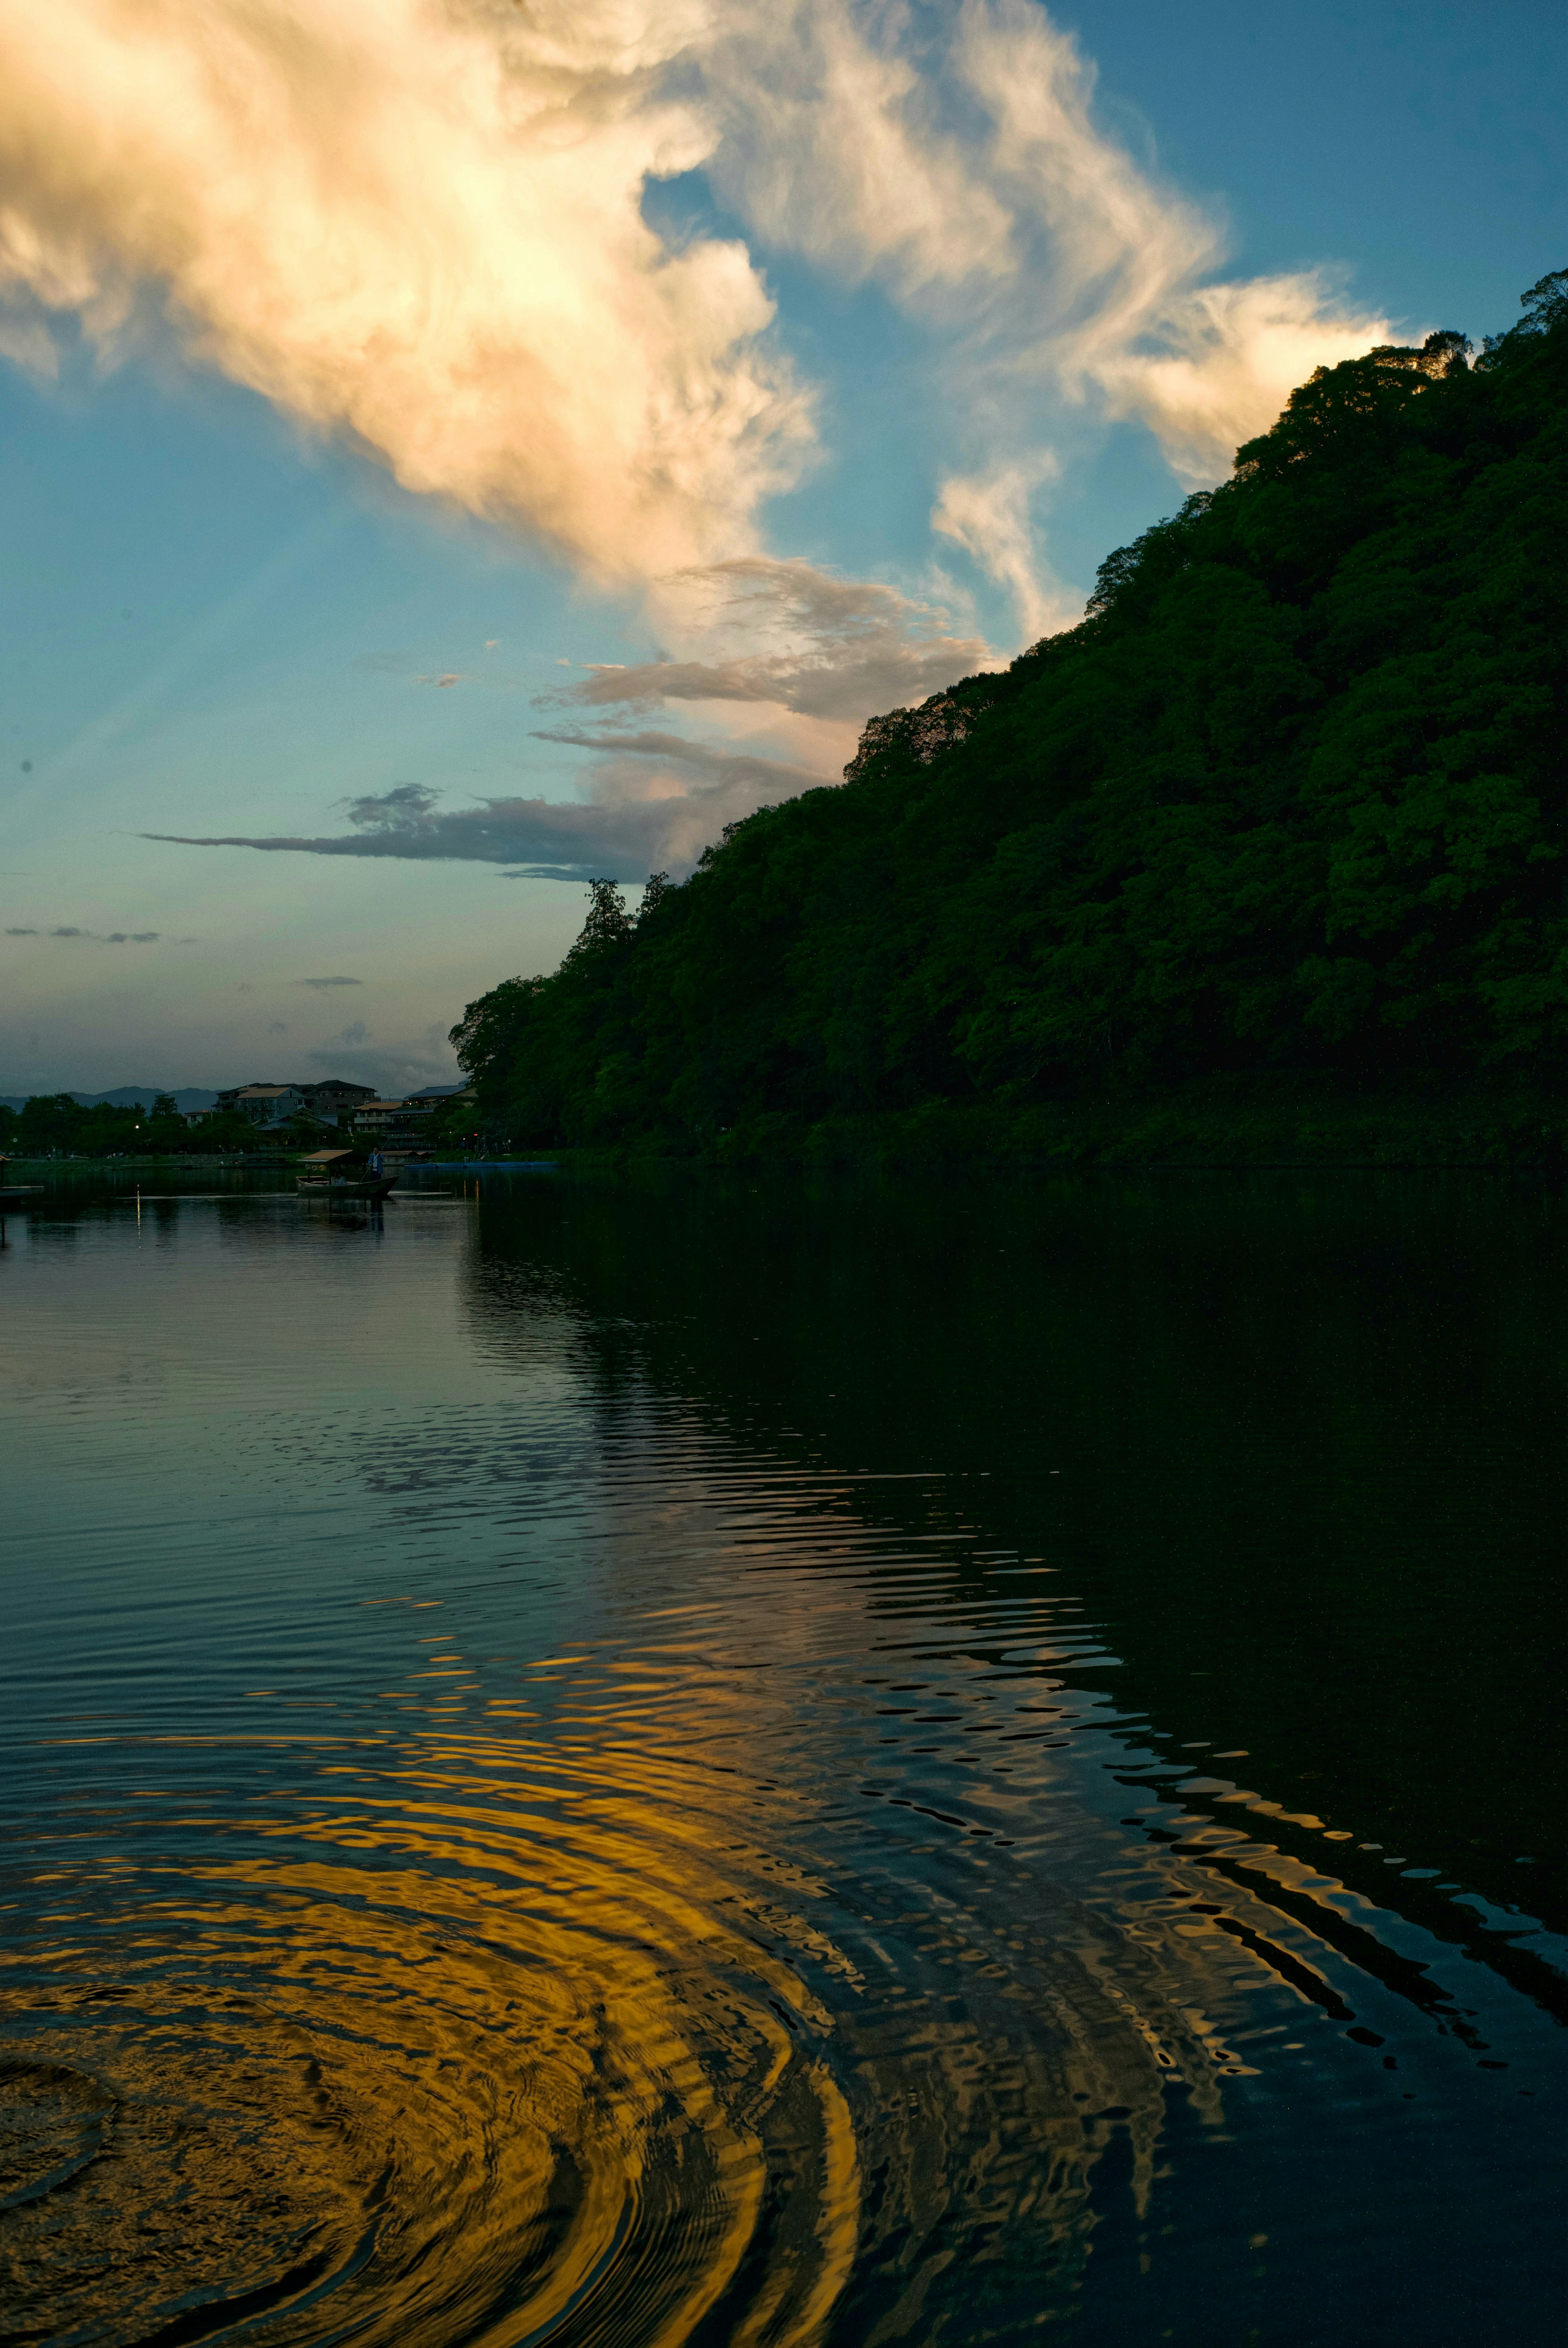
point(335, 1099)
point(392, 1125)
point(332, 1101)
point(263, 1104)
point(405, 1124)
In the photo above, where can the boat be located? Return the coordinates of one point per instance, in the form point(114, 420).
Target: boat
point(333, 1174)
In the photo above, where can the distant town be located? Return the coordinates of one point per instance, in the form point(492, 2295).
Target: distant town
point(256, 1117)
point(353, 1109)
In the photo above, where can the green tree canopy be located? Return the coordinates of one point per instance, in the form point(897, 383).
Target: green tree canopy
point(1292, 798)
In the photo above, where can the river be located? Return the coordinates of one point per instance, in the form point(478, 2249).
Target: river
point(775, 1764)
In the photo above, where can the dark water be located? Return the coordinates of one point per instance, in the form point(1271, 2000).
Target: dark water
point(635, 1766)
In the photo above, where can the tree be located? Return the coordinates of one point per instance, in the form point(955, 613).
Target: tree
point(1292, 801)
point(608, 923)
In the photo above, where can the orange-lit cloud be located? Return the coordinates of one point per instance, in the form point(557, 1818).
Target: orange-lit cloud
point(418, 225)
point(416, 222)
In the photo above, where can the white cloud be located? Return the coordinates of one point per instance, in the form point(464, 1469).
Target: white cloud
point(418, 224)
point(988, 516)
point(835, 145)
point(1227, 360)
point(957, 158)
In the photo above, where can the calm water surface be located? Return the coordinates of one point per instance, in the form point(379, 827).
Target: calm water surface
point(761, 1769)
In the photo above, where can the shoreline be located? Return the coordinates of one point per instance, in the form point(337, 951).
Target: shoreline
point(1234, 1130)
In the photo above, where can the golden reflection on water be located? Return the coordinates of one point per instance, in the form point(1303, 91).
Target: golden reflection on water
point(490, 2044)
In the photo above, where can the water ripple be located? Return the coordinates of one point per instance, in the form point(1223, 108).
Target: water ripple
point(482, 2043)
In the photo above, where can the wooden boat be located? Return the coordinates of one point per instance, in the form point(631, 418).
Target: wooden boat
point(333, 1174)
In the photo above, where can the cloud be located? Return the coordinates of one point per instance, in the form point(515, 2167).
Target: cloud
point(631, 828)
point(352, 1036)
point(98, 937)
point(329, 982)
point(810, 642)
point(395, 1069)
point(418, 225)
point(789, 638)
point(1228, 358)
point(698, 758)
point(989, 517)
point(959, 161)
point(277, 1027)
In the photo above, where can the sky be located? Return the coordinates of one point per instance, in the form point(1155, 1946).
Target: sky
point(449, 448)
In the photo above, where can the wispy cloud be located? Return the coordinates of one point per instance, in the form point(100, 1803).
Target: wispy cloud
point(796, 636)
point(959, 160)
point(989, 517)
point(329, 982)
point(697, 757)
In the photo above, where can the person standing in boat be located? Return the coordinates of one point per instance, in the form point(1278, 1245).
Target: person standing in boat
point(375, 1163)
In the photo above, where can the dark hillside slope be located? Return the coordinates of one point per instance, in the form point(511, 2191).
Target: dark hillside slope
point(1284, 816)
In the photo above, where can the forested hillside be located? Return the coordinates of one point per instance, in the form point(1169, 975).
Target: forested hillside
point(1286, 810)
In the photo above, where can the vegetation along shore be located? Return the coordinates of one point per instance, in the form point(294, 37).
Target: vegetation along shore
point(1261, 862)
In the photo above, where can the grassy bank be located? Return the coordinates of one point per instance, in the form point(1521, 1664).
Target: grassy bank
point(1215, 1124)
point(184, 1160)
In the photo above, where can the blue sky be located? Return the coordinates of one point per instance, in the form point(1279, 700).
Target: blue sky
point(688, 382)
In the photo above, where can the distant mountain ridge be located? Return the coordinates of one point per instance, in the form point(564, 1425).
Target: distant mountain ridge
point(189, 1096)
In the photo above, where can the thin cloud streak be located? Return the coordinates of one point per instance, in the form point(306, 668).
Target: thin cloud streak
point(537, 838)
point(698, 758)
point(99, 937)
